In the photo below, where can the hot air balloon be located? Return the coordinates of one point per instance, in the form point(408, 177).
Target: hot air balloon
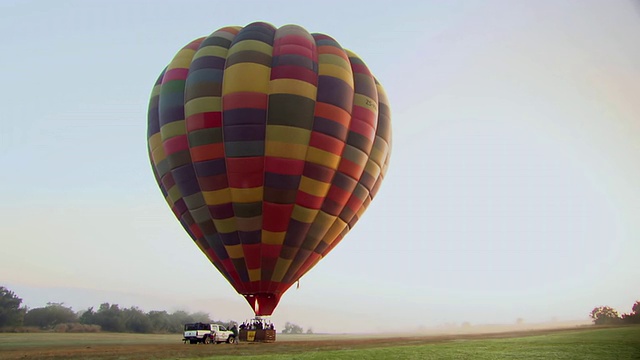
point(268, 144)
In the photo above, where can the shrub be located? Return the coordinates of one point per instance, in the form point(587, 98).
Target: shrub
point(76, 328)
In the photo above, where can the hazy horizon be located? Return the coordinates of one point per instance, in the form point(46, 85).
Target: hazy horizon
point(224, 310)
point(512, 190)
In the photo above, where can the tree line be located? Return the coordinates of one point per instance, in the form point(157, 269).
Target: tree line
point(107, 317)
point(606, 315)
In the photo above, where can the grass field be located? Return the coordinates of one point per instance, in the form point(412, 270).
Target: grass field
point(583, 343)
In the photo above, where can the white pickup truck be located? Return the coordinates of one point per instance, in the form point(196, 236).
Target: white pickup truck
point(207, 333)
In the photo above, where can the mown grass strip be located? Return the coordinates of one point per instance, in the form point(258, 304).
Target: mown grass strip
point(598, 344)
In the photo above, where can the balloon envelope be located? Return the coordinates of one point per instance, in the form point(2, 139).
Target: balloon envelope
point(268, 144)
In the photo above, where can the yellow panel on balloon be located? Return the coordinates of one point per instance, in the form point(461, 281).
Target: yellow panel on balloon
point(235, 251)
point(158, 155)
point(365, 102)
point(379, 150)
point(372, 169)
point(250, 77)
point(280, 269)
point(172, 129)
point(324, 220)
point(254, 274)
point(251, 45)
point(321, 157)
point(334, 231)
point(155, 140)
point(288, 134)
point(336, 72)
point(174, 194)
point(285, 150)
point(182, 60)
point(273, 237)
point(303, 214)
point(314, 187)
point(247, 195)
point(202, 105)
point(293, 86)
point(226, 226)
point(216, 51)
point(217, 197)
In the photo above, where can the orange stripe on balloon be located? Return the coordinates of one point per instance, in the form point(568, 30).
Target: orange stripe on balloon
point(207, 152)
point(363, 128)
point(293, 49)
point(365, 115)
point(329, 49)
point(326, 143)
point(245, 100)
point(230, 29)
point(308, 200)
point(195, 44)
point(297, 40)
point(333, 112)
point(350, 168)
point(355, 203)
point(338, 195)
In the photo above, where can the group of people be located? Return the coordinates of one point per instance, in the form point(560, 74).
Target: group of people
point(257, 324)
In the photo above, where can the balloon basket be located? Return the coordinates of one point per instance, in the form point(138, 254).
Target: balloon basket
point(260, 335)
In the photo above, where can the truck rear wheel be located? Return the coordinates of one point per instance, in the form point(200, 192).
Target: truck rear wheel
point(206, 340)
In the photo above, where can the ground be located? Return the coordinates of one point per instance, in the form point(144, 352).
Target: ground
point(44, 346)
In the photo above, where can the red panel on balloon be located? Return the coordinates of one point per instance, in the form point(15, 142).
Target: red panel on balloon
point(283, 166)
point(275, 217)
point(204, 121)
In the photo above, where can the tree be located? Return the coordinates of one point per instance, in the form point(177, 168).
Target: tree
point(160, 321)
point(604, 315)
point(110, 318)
point(180, 317)
point(11, 314)
point(310, 331)
point(87, 316)
point(200, 316)
point(50, 316)
point(290, 328)
point(634, 316)
point(136, 320)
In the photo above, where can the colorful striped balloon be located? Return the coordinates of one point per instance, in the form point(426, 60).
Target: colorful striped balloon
point(268, 144)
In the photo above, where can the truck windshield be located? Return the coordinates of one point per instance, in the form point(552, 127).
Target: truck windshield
point(196, 326)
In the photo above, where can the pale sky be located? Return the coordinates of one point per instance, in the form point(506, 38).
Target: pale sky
point(513, 190)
